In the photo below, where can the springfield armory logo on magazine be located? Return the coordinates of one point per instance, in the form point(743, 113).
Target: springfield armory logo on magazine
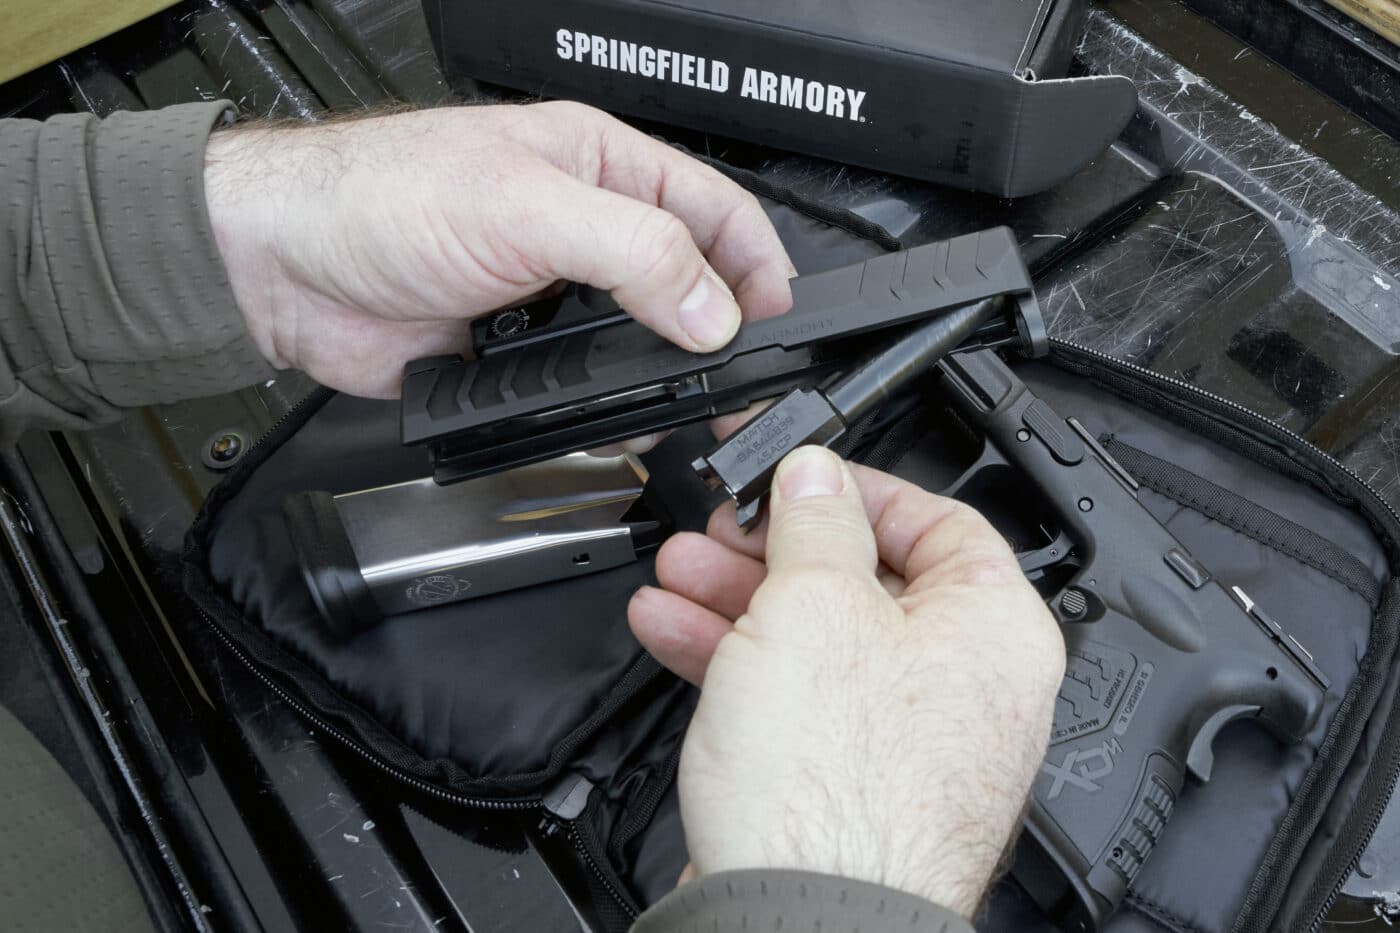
point(709, 74)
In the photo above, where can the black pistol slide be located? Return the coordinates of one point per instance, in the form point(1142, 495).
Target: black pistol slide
point(595, 377)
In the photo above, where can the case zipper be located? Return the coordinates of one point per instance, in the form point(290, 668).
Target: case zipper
point(644, 808)
point(564, 807)
point(479, 803)
point(319, 397)
point(1373, 820)
point(1392, 776)
point(561, 810)
point(603, 875)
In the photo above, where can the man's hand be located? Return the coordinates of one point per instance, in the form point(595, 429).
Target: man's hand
point(355, 247)
point(878, 683)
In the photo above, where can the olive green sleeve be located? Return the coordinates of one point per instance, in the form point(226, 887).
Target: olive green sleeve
point(112, 289)
point(766, 900)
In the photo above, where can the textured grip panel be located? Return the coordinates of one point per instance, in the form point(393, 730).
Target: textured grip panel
point(1144, 828)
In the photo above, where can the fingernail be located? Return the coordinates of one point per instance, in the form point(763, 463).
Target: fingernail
point(709, 315)
point(810, 471)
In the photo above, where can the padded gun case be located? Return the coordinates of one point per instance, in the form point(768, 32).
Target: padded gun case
point(538, 699)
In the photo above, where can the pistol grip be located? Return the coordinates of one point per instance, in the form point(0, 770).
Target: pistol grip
point(1135, 715)
point(1081, 895)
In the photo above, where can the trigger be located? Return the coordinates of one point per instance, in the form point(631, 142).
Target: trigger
point(1047, 556)
point(1200, 757)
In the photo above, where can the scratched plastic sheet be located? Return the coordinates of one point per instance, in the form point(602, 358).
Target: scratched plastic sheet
point(1264, 276)
point(1257, 271)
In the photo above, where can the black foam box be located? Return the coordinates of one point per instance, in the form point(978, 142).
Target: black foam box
point(971, 94)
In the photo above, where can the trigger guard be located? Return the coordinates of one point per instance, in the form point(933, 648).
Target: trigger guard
point(1200, 757)
point(989, 458)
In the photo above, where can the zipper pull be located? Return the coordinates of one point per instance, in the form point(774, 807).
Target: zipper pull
point(564, 802)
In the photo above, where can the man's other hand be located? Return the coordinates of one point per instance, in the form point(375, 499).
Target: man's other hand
point(354, 247)
point(877, 676)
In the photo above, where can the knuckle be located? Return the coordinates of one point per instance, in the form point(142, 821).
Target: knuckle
point(740, 206)
point(746, 219)
point(824, 589)
point(749, 209)
point(568, 110)
point(970, 525)
point(982, 555)
point(829, 535)
point(977, 567)
point(821, 518)
point(578, 135)
point(661, 245)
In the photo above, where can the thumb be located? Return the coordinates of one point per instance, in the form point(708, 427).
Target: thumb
point(647, 258)
point(816, 519)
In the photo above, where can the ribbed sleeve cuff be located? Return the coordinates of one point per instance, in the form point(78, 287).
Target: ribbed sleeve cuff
point(760, 901)
point(140, 288)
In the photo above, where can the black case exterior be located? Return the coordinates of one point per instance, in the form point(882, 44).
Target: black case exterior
point(958, 93)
